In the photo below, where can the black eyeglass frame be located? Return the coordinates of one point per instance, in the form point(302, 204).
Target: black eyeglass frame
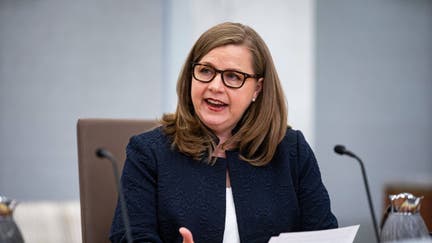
point(245, 75)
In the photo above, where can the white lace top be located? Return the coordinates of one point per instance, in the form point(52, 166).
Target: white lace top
point(231, 233)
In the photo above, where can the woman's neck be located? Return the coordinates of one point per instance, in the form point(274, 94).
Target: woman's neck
point(219, 152)
point(223, 137)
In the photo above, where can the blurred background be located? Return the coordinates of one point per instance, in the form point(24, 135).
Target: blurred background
point(357, 73)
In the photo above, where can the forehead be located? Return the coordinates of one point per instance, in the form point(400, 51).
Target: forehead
point(229, 56)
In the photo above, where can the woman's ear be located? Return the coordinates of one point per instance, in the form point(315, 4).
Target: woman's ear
point(258, 88)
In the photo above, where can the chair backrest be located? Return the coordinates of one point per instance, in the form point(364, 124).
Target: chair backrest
point(98, 194)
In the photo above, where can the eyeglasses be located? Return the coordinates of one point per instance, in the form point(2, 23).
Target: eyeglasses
point(231, 78)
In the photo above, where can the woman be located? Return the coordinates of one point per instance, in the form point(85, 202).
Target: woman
point(225, 167)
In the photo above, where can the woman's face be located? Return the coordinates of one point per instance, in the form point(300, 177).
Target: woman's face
point(218, 106)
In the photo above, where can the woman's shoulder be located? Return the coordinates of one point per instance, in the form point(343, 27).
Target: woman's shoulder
point(152, 138)
point(293, 136)
point(295, 143)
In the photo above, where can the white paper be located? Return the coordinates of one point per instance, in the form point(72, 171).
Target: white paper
point(339, 235)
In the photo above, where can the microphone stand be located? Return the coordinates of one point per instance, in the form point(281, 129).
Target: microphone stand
point(341, 150)
point(105, 154)
point(368, 197)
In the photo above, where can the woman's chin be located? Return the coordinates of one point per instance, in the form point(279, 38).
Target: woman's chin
point(217, 126)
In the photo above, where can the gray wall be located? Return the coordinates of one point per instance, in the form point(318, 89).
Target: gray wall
point(373, 94)
point(62, 60)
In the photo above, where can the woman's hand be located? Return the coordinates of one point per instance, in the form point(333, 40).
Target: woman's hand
point(187, 235)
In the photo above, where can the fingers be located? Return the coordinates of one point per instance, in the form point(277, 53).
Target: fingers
point(187, 235)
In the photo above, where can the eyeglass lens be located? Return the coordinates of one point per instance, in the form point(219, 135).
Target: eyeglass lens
point(205, 73)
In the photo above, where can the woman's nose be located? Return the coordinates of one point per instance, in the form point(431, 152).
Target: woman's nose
point(217, 83)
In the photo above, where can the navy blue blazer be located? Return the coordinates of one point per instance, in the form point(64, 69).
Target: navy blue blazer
point(165, 189)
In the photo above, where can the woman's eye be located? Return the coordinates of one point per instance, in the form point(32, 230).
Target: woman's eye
point(233, 76)
point(206, 70)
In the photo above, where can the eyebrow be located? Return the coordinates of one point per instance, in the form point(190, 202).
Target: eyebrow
point(213, 66)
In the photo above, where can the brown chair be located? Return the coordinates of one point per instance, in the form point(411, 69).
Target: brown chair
point(98, 194)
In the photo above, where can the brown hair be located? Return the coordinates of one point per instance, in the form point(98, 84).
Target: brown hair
point(263, 124)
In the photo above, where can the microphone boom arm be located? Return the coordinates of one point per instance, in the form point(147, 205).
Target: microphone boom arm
point(340, 149)
point(105, 154)
point(369, 196)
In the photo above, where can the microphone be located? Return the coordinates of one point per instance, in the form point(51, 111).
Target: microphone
point(105, 154)
point(341, 150)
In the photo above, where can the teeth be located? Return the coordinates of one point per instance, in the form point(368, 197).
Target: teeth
point(215, 102)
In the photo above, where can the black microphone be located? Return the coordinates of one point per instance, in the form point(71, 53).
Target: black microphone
point(105, 154)
point(340, 149)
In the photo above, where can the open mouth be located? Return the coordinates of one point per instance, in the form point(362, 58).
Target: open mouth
point(215, 103)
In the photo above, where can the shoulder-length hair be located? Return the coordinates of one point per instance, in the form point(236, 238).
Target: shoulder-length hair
point(262, 126)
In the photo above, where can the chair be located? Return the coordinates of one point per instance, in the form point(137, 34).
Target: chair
point(98, 193)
